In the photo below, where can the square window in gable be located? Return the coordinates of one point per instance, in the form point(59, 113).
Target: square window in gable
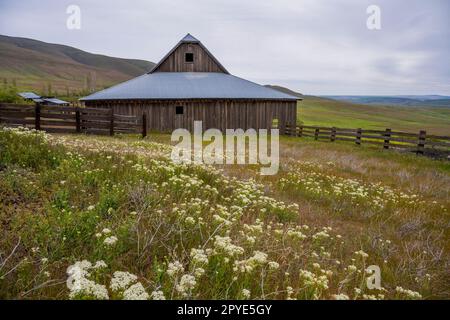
point(179, 110)
point(189, 57)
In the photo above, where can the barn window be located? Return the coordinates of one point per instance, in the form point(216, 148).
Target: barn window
point(189, 57)
point(179, 110)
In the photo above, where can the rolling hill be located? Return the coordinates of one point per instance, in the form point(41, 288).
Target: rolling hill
point(409, 100)
point(341, 111)
point(35, 65)
point(328, 112)
point(285, 90)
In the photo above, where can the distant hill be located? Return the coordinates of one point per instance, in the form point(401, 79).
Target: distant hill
point(33, 65)
point(327, 112)
point(284, 90)
point(407, 100)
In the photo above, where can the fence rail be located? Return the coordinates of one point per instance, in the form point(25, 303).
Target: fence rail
point(71, 119)
point(387, 139)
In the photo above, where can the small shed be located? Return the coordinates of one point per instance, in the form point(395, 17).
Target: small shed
point(190, 84)
point(45, 101)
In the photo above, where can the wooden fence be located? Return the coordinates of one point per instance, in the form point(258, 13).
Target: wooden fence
point(386, 139)
point(71, 119)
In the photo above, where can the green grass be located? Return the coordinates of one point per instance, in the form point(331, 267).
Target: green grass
point(327, 112)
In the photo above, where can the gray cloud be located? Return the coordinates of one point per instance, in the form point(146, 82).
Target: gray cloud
point(313, 46)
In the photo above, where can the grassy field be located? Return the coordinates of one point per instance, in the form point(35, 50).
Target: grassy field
point(119, 220)
point(327, 112)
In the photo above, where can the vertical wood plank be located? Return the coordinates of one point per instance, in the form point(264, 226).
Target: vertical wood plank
point(37, 116)
point(358, 136)
point(387, 138)
point(421, 142)
point(78, 120)
point(144, 125)
point(111, 125)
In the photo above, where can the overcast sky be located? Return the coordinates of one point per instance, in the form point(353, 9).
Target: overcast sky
point(312, 46)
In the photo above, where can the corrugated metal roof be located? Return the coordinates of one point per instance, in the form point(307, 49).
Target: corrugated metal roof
point(29, 95)
point(55, 101)
point(189, 38)
point(188, 85)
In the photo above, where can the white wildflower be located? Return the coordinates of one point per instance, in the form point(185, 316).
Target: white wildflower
point(135, 292)
point(100, 265)
point(122, 280)
point(408, 293)
point(174, 268)
point(186, 284)
point(199, 256)
point(158, 295)
point(246, 293)
point(341, 296)
point(109, 241)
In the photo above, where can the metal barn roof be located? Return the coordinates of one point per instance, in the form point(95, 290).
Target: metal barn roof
point(188, 85)
point(29, 95)
point(55, 101)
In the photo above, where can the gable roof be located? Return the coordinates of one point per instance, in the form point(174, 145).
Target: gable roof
point(188, 85)
point(189, 39)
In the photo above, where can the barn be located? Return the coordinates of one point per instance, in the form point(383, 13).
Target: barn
point(189, 84)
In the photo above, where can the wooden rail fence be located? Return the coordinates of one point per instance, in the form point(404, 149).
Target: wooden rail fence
point(387, 139)
point(71, 119)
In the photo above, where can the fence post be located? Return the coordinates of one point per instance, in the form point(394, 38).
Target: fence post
point(387, 138)
point(333, 134)
point(316, 134)
point(144, 125)
point(78, 120)
point(421, 142)
point(300, 131)
point(358, 136)
point(37, 116)
point(111, 125)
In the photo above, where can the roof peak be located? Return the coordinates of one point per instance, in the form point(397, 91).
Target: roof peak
point(189, 38)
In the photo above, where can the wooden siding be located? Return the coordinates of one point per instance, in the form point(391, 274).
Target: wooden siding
point(175, 62)
point(220, 114)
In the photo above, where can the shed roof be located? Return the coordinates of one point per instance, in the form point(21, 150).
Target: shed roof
point(55, 101)
point(29, 95)
point(188, 85)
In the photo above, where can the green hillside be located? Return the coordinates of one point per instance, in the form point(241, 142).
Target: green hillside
point(327, 112)
point(37, 65)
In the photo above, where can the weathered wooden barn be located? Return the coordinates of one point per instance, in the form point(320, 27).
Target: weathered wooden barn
point(190, 84)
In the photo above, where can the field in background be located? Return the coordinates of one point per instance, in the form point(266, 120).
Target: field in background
point(329, 113)
point(173, 231)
